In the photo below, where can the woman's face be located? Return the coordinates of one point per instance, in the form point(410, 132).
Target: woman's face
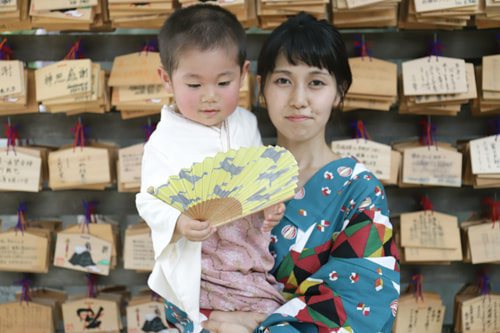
point(299, 100)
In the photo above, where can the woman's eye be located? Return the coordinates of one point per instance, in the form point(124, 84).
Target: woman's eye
point(224, 84)
point(195, 85)
point(316, 83)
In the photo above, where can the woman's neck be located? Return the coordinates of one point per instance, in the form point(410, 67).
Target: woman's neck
point(310, 156)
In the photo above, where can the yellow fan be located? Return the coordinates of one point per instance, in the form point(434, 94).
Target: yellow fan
point(231, 185)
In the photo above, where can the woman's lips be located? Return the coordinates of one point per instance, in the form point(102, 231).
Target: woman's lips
point(297, 118)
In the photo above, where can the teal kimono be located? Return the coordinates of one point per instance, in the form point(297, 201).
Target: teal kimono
point(335, 255)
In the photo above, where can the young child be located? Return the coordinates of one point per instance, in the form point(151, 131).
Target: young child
point(203, 53)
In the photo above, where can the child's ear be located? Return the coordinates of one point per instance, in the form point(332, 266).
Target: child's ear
point(165, 79)
point(244, 71)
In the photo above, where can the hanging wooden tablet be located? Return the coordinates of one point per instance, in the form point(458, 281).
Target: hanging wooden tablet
point(441, 104)
point(475, 312)
point(485, 162)
point(20, 169)
point(18, 317)
point(374, 84)
point(136, 86)
point(64, 14)
point(146, 315)
point(14, 15)
point(364, 14)
point(429, 236)
point(432, 166)
point(274, 12)
point(48, 296)
point(91, 315)
point(424, 315)
point(140, 14)
point(83, 252)
point(138, 252)
point(232, 184)
point(129, 165)
point(80, 168)
point(375, 156)
point(25, 251)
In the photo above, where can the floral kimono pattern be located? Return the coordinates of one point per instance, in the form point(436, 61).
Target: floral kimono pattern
point(335, 256)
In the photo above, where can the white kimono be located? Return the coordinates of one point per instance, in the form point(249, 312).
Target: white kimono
point(175, 144)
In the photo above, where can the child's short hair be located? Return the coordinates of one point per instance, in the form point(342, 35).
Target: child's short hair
point(315, 42)
point(202, 27)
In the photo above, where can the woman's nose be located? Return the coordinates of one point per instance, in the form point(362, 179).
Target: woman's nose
point(299, 97)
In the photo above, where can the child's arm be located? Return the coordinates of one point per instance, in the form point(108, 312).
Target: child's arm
point(273, 216)
point(193, 230)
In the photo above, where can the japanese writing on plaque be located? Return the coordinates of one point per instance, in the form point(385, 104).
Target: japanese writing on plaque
point(23, 252)
point(60, 4)
point(139, 253)
point(481, 314)
point(11, 77)
point(485, 155)
point(19, 172)
point(64, 78)
point(430, 5)
point(431, 166)
point(434, 75)
point(429, 229)
point(375, 156)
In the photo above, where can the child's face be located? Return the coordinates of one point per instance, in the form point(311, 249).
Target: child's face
point(206, 84)
point(300, 99)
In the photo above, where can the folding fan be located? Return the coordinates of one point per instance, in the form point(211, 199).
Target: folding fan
point(232, 184)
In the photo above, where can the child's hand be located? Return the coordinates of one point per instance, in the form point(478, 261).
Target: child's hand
point(272, 216)
point(193, 230)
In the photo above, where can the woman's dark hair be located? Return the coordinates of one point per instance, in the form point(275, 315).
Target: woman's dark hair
point(303, 38)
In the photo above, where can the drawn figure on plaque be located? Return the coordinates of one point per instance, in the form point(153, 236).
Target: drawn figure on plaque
point(82, 257)
point(89, 317)
point(154, 323)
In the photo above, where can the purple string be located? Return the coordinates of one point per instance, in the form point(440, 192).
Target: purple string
point(149, 129)
point(359, 129)
point(149, 47)
point(6, 52)
point(363, 46)
point(436, 48)
point(75, 51)
point(91, 286)
point(26, 285)
point(21, 210)
point(495, 126)
point(483, 283)
point(89, 213)
point(155, 297)
point(80, 132)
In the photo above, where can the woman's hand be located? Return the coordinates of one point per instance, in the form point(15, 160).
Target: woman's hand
point(272, 216)
point(193, 230)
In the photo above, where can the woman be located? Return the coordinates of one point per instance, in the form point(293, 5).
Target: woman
point(335, 256)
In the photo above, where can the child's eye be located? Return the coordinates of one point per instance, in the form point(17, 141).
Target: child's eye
point(194, 85)
point(316, 83)
point(224, 83)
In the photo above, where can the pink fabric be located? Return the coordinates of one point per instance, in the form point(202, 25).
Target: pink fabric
point(235, 264)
